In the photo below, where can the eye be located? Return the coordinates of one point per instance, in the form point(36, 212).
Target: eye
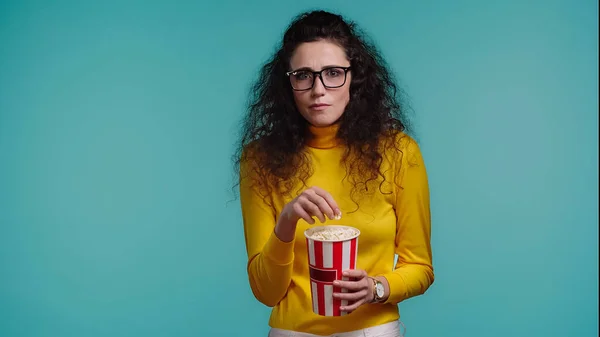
point(302, 75)
point(334, 72)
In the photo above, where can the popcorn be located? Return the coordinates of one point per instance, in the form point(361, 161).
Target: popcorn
point(336, 233)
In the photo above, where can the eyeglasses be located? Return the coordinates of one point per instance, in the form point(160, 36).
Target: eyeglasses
point(332, 77)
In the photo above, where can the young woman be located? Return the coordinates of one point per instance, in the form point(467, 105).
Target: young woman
point(325, 141)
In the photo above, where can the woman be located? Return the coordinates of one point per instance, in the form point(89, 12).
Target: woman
point(325, 140)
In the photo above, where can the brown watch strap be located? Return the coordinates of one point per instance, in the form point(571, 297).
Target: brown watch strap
point(374, 290)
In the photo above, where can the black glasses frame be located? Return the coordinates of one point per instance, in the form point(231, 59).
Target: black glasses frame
point(319, 73)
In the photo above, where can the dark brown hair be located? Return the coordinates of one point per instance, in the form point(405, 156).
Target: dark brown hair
point(274, 133)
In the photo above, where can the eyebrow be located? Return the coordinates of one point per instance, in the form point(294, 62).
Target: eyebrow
point(325, 67)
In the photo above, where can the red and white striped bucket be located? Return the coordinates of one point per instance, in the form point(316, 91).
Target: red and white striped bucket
point(327, 260)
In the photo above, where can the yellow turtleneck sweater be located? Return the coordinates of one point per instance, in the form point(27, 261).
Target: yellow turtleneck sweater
point(390, 223)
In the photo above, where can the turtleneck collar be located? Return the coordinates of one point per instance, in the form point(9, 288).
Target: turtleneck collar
point(324, 137)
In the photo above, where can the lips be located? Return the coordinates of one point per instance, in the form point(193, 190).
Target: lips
point(318, 106)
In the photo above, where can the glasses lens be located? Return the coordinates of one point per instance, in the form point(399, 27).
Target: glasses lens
point(301, 80)
point(334, 77)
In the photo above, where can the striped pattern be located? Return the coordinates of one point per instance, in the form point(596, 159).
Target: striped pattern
point(327, 260)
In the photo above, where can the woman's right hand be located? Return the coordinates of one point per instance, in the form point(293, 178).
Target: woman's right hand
point(312, 202)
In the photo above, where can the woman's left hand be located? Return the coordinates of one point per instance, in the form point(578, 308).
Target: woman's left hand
point(360, 289)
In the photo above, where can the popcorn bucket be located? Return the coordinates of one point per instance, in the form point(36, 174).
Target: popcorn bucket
point(331, 250)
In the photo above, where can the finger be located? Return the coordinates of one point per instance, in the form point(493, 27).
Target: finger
point(325, 195)
point(318, 200)
point(350, 285)
point(311, 208)
point(356, 273)
point(352, 306)
point(303, 214)
point(362, 294)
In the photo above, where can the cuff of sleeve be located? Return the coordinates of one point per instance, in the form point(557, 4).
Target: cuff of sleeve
point(282, 253)
point(398, 289)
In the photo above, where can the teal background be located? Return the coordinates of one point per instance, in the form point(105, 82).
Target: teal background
point(116, 130)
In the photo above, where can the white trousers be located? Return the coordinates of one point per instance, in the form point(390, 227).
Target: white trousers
point(391, 329)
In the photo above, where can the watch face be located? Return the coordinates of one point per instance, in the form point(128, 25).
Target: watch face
point(380, 290)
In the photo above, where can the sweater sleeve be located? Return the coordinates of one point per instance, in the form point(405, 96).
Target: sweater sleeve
point(270, 260)
point(413, 274)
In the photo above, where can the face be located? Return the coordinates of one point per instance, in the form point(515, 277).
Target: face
point(319, 105)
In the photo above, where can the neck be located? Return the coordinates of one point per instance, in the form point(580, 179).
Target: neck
point(323, 137)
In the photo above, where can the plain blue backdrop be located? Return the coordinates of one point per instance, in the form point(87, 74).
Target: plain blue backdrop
point(117, 123)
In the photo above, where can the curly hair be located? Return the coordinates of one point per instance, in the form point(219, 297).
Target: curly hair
point(274, 133)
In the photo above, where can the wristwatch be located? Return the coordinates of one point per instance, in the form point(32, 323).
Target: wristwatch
point(378, 290)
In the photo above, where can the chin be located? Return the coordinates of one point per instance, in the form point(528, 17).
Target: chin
point(322, 120)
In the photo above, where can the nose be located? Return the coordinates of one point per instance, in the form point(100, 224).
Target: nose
point(318, 88)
